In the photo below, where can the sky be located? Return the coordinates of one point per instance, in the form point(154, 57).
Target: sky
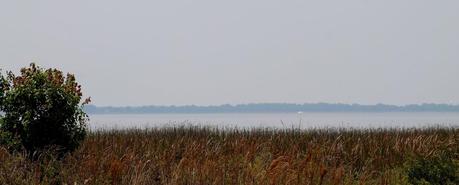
point(211, 52)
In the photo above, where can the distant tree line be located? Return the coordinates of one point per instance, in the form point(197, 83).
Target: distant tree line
point(273, 108)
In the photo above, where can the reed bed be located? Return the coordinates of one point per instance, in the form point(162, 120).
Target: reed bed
point(200, 155)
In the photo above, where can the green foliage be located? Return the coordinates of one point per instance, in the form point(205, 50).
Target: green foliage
point(438, 170)
point(9, 141)
point(42, 109)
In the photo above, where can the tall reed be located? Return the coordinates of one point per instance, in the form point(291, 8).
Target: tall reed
point(200, 155)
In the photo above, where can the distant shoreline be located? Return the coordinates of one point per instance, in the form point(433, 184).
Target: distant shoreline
point(275, 108)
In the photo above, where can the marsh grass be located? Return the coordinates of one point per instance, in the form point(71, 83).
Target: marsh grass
point(200, 155)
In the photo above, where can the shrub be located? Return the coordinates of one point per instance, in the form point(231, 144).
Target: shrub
point(439, 170)
point(42, 109)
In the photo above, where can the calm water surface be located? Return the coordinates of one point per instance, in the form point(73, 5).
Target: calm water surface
point(277, 120)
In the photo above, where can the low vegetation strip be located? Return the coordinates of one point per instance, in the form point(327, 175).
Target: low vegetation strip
point(197, 155)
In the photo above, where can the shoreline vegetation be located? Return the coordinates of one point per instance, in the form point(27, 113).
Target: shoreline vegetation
point(201, 155)
point(271, 108)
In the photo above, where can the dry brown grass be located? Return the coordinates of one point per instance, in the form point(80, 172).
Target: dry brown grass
point(194, 155)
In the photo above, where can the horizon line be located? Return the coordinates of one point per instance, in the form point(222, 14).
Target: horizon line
point(267, 103)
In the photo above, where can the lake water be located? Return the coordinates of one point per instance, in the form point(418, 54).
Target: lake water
point(277, 120)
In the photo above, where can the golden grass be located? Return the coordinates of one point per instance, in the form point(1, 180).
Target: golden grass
point(194, 155)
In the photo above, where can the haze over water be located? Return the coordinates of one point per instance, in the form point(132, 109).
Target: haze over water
point(277, 120)
point(205, 52)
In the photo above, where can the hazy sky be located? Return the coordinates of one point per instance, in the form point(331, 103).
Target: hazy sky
point(241, 51)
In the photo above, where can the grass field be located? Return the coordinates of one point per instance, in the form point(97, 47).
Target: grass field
point(195, 155)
